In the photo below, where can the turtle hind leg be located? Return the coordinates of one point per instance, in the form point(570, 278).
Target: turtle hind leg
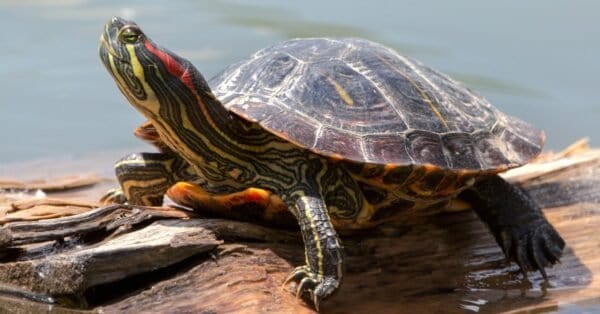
point(252, 204)
point(517, 223)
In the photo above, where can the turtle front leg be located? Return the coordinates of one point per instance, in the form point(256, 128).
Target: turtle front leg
point(517, 222)
point(145, 177)
point(323, 271)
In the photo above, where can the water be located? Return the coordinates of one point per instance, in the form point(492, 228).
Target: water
point(536, 60)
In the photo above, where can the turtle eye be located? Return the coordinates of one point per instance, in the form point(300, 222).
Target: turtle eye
point(130, 35)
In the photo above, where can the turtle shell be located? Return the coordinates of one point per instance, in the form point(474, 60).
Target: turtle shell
point(366, 103)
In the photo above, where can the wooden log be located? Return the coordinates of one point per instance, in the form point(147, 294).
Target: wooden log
point(71, 270)
point(106, 218)
point(445, 263)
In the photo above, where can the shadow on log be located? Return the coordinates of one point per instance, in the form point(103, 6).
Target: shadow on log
point(143, 259)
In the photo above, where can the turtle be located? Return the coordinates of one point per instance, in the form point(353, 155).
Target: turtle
point(342, 134)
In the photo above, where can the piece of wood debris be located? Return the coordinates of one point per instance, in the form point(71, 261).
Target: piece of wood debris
point(32, 209)
point(53, 184)
point(75, 269)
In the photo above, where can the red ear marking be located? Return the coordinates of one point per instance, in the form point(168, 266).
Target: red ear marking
point(186, 77)
point(174, 67)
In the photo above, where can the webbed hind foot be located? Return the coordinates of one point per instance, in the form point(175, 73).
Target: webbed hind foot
point(518, 224)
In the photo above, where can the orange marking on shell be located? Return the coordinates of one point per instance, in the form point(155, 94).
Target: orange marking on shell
point(386, 169)
point(389, 167)
point(430, 168)
point(341, 92)
point(336, 158)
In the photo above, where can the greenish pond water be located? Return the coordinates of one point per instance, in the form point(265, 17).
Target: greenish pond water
point(536, 59)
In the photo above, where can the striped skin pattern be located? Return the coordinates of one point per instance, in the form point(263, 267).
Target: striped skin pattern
point(228, 154)
point(145, 177)
point(225, 148)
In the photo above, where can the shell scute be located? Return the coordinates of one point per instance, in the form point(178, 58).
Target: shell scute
point(304, 131)
point(387, 147)
point(460, 150)
point(275, 70)
point(426, 147)
point(333, 140)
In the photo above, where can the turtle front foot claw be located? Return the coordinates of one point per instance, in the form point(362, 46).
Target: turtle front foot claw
point(309, 282)
point(113, 196)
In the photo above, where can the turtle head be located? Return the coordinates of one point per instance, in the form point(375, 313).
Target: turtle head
point(167, 89)
point(156, 81)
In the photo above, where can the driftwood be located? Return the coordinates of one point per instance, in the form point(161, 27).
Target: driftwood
point(138, 259)
point(73, 270)
point(51, 185)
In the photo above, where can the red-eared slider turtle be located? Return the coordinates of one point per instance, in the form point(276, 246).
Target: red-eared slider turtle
point(347, 132)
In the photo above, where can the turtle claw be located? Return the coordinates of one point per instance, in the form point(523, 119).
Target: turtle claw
point(318, 288)
point(306, 282)
point(533, 247)
point(298, 273)
point(113, 196)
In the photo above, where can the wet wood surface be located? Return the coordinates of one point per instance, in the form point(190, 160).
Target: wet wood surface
point(60, 247)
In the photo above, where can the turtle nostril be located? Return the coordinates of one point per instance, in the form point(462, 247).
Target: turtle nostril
point(114, 19)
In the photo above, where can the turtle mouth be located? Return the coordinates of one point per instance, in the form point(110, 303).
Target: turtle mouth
point(106, 47)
